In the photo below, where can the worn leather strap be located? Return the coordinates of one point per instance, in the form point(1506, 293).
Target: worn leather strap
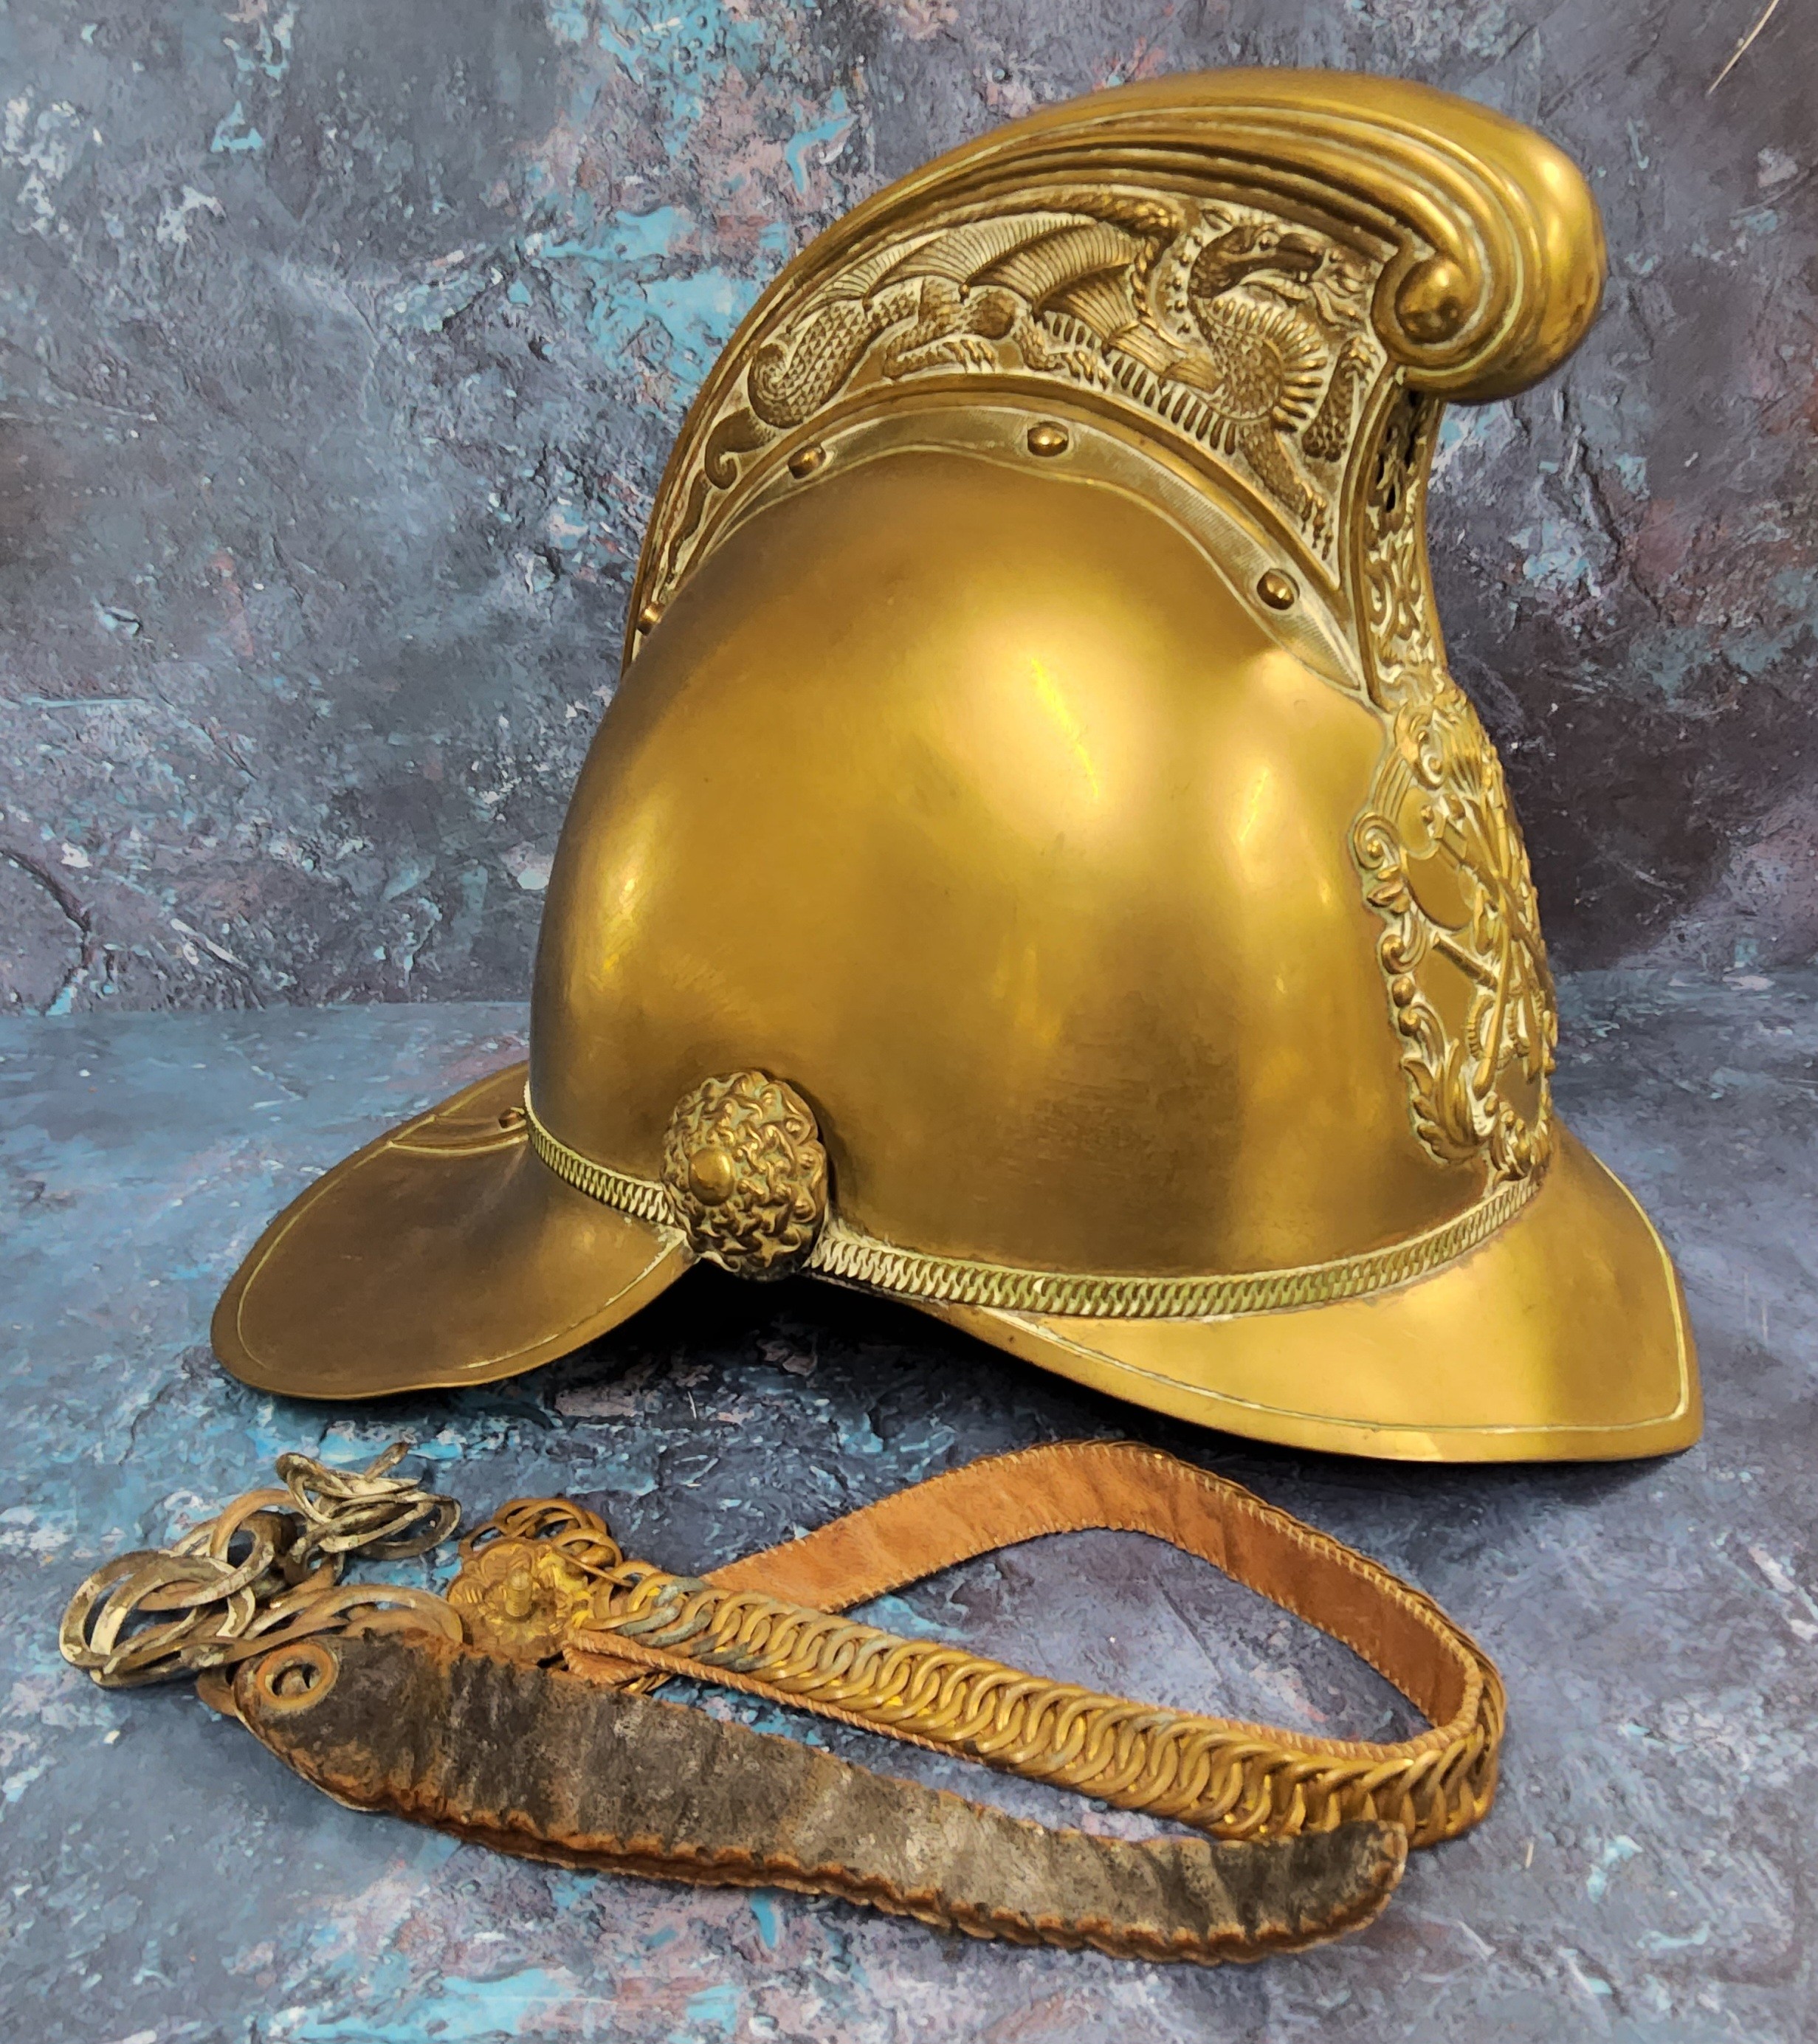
point(530, 1760)
point(446, 1710)
point(751, 1626)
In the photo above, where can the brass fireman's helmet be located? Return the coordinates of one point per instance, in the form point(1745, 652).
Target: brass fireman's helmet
point(1036, 863)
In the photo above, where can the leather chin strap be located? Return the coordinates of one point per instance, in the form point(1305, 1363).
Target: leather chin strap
point(447, 1710)
point(529, 1760)
point(764, 1625)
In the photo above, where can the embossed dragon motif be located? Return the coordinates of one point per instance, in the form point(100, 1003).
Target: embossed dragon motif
point(1442, 857)
point(1264, 363)
point(1247, 333)
point(1251, 336)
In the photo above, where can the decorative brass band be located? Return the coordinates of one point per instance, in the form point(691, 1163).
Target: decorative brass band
point(644, 1199)
point(845, 1253)
point(545, 1574)
point(848, 1255)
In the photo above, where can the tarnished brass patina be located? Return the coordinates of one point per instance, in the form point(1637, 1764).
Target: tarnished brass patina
point(1035, 759)
point(544, 1581)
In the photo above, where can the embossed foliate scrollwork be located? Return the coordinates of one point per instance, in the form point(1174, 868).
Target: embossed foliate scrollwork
point(1442, 857)
point(1246, 334)
point(1273, 287)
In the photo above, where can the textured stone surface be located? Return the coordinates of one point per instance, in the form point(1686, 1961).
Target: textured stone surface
point(340, 346)
point(1649, 1874)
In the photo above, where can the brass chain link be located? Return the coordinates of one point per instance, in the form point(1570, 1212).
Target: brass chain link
point(1236, 1781)
point(544, 1573)
point(266, 1570)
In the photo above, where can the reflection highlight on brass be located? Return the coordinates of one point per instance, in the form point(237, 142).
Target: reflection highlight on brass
point(1098, 851)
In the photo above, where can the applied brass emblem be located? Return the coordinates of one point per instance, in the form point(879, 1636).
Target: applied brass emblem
point(747, 1173)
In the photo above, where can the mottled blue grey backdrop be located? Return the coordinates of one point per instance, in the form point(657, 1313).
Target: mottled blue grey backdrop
point(341, 342)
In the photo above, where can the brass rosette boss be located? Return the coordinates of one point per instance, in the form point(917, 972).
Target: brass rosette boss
point(747, 1173)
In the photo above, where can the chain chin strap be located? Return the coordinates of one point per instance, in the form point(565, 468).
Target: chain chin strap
point(452, 1722)
point(544, 1579)
point(265, 1571)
